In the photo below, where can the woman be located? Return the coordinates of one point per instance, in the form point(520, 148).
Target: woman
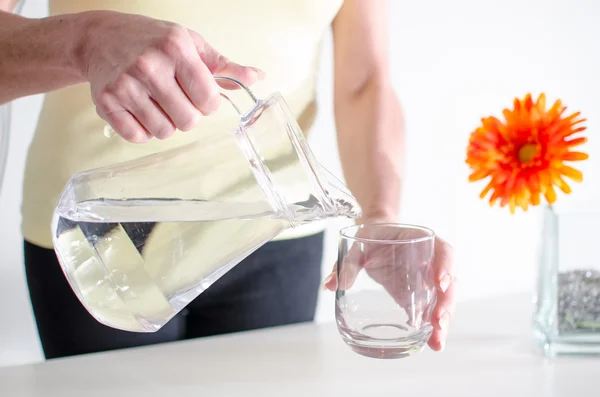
point(146, 68)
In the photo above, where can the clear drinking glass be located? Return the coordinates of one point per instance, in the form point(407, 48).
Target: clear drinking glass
point(385, 290)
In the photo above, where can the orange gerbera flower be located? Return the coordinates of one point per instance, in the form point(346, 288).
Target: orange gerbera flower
point(524, 156)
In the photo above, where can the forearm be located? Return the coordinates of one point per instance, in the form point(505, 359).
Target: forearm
point(39, 55)
point(371, 140)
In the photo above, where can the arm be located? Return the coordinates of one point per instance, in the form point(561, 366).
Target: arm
point(38, 55)
point(370, 135)
point(367, 113)
point(147, 77)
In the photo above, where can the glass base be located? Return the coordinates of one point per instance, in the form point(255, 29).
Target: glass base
point(385, 348)
point(573, 345)
point(386, 352)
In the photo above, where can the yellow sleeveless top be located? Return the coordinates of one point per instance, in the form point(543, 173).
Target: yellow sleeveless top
point(281, 37)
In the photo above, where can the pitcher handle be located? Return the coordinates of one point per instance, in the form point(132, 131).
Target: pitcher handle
point(110, 132)
point(248, 90)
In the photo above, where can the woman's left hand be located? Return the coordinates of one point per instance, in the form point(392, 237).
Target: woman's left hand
point(444, 282)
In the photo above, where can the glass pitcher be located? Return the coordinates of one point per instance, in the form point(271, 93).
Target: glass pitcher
point(139, 240)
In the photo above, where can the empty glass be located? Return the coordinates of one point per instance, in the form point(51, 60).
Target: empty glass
point(385, 289)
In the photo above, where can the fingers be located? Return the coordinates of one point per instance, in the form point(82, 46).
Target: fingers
point(347, 275)
point(343, 279)
point(156, 101)
point(128, 94)
point(126, 126)
point(437, 341)
point(330, 282)
point(446, 285)
point(152, 117)
point(176, 105)
point(443, 264)
point(245, 74)
point(193, 90)
point(199, 85)
point(109, 107)
point(162, 81)
point(157, 80)
point(169, 86)
point(441, 317)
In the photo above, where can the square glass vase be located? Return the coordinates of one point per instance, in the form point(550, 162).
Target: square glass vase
point(567, 300)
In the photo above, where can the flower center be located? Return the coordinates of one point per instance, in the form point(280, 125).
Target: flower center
point(527, 152)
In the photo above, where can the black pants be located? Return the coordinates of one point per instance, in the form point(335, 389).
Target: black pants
point(278, 284)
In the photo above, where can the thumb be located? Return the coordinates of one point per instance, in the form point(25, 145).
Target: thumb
point(345, 277)
point(330, 282)
point(217, 63)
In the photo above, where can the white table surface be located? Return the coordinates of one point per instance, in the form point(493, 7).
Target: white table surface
point(489, 353)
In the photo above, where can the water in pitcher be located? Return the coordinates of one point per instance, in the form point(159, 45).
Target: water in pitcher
point(138, 275)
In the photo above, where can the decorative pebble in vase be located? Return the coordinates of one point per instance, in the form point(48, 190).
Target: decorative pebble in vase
point(524, 160)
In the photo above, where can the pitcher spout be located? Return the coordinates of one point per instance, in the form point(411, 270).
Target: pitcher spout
point(294, 184)
point(341, 201)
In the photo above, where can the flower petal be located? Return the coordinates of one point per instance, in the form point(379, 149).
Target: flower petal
point(575, 156)
point(550, 195)
point(576, 142)
point(572, 173)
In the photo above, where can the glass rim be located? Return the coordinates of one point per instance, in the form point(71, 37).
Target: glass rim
point(429, 236)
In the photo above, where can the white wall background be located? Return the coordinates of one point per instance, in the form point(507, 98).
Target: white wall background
point(453, 63)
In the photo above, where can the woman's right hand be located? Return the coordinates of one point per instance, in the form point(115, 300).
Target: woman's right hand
point(149, 77)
